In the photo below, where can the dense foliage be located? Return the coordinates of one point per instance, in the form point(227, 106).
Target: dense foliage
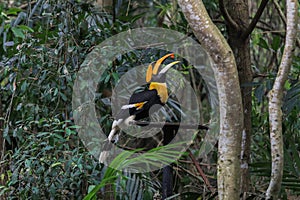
point(42, 47)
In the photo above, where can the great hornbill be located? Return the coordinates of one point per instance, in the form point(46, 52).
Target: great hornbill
point(140, 103)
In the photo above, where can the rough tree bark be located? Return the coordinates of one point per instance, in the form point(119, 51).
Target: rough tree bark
point(231, 111)
point(236, 15)
point(275, 101)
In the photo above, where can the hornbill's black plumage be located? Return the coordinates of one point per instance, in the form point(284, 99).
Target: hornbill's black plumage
point(141, 102)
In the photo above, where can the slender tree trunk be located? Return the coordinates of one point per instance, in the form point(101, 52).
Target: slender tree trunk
point(275, 101)
point(237, 21)
point(2, 146)
point(231, 111)
point(1, 129)
point(236, 15)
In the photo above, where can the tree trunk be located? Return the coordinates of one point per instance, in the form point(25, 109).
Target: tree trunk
point(275, 101)
point(237, 23)
point(3, 166)
point(231, 111)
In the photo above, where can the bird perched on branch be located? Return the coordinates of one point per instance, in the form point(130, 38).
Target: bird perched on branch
point(140, 103)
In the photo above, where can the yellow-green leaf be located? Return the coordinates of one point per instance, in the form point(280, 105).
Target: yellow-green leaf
point(18, 32)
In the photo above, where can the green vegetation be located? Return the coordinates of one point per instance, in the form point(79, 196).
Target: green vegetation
point(42, 47)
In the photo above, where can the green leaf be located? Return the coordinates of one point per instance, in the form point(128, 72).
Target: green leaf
point(115, 76)
point(18, 32)
point(75, 127)
point(24, 86)
point(259, 93)
point(276, 43)
point(25, 28)
point(63, 96)
point(5, 132)
point(42, 134)
point(262, 43)
point(55, 164)
point(91, 187)
point(27, 163)
point(70, 132)
point(292, 98)
point(4, 81)
point(107, 79)
point(58, 136)
point(5, 135)
point(95, 189)
point(55, 91)
point(19, 106)
point(287, 85)
point(13, 11)
point(111, 173)
point(3, 190)
point(137, 17)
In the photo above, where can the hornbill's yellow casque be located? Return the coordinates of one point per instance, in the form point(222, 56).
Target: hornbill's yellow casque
point(140, 103)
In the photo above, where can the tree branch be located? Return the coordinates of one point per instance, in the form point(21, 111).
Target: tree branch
point(169, 124)
point(254, 21)
point(283, 18)
point(281, 14)
point(25, 5)
point(276, 98)
point(226, 16)
point(200, 171)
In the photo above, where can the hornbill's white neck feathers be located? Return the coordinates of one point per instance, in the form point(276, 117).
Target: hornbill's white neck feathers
point(140, 103)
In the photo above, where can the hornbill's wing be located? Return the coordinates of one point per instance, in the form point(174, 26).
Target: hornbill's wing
point(138, 103)
point(138, 108)
point(148, 99)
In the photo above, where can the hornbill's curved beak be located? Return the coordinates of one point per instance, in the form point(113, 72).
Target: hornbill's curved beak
point(153, 71)
point(166, 68)
point(159, 61)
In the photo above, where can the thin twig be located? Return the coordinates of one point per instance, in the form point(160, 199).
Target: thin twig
point(25, 5)
point(256, 18)
point(34, 9)
point(260, 75)
point(226, 16)
point(281, 14)
point(205, 179)
point(275, 31)
point(283, 18)
point(164, 43)
point(196, 176)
